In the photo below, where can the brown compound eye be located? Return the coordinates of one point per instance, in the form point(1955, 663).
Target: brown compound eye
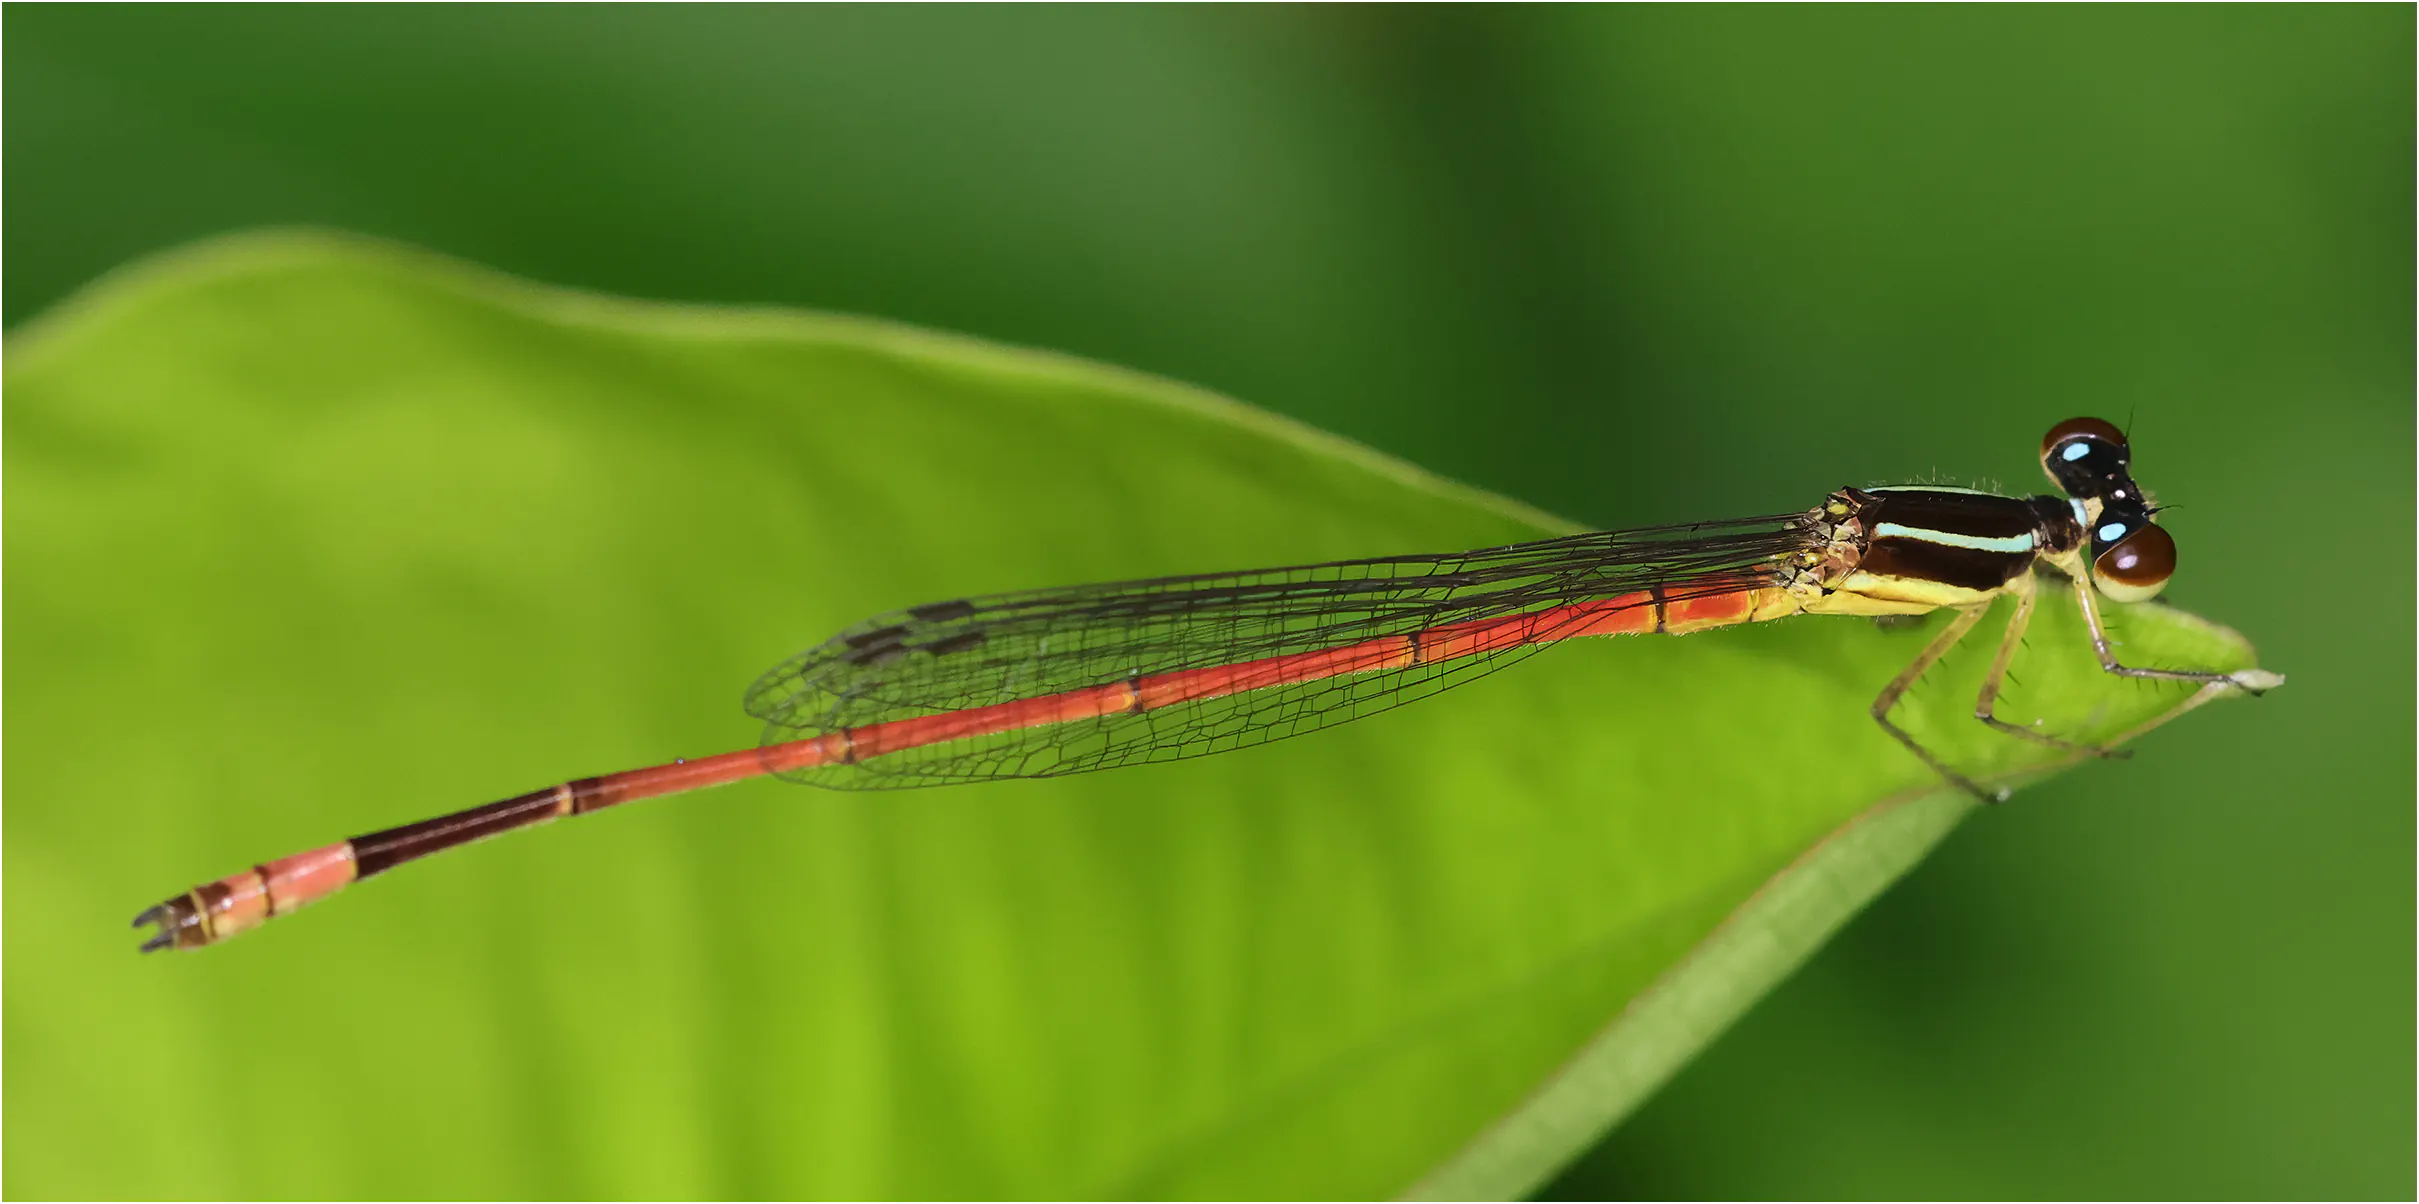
point(2136, 567)
point(2096, 428)
point(2085, 456)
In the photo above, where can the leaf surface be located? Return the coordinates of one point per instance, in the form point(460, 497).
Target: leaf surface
point(308, 536)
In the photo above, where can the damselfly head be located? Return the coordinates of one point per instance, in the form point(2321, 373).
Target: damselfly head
point(2131, 557)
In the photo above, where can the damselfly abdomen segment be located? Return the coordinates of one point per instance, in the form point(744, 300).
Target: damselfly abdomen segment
point(1062, 681)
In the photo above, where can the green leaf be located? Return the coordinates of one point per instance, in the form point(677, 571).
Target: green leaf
point(307, 536)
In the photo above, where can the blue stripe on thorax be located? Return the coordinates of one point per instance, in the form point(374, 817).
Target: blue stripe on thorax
point(1980, 543)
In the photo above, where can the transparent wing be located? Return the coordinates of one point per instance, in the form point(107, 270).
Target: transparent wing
point(956, 656)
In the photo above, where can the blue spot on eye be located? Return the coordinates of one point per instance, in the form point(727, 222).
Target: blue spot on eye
point(2110, 532)
point(2076, 451)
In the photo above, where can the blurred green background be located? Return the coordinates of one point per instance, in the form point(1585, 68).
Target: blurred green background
point(1630, 265)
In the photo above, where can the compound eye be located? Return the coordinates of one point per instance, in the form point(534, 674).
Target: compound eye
point(2083, 455)
point(2136, 566)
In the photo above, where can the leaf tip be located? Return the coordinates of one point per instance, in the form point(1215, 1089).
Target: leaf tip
point(2257, 681)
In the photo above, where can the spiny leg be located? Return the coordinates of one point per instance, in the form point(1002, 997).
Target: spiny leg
point(1890, 694)
point(1986, 705)
point(2253, 682)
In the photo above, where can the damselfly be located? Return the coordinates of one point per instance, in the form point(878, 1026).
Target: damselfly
point(1063, 681)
